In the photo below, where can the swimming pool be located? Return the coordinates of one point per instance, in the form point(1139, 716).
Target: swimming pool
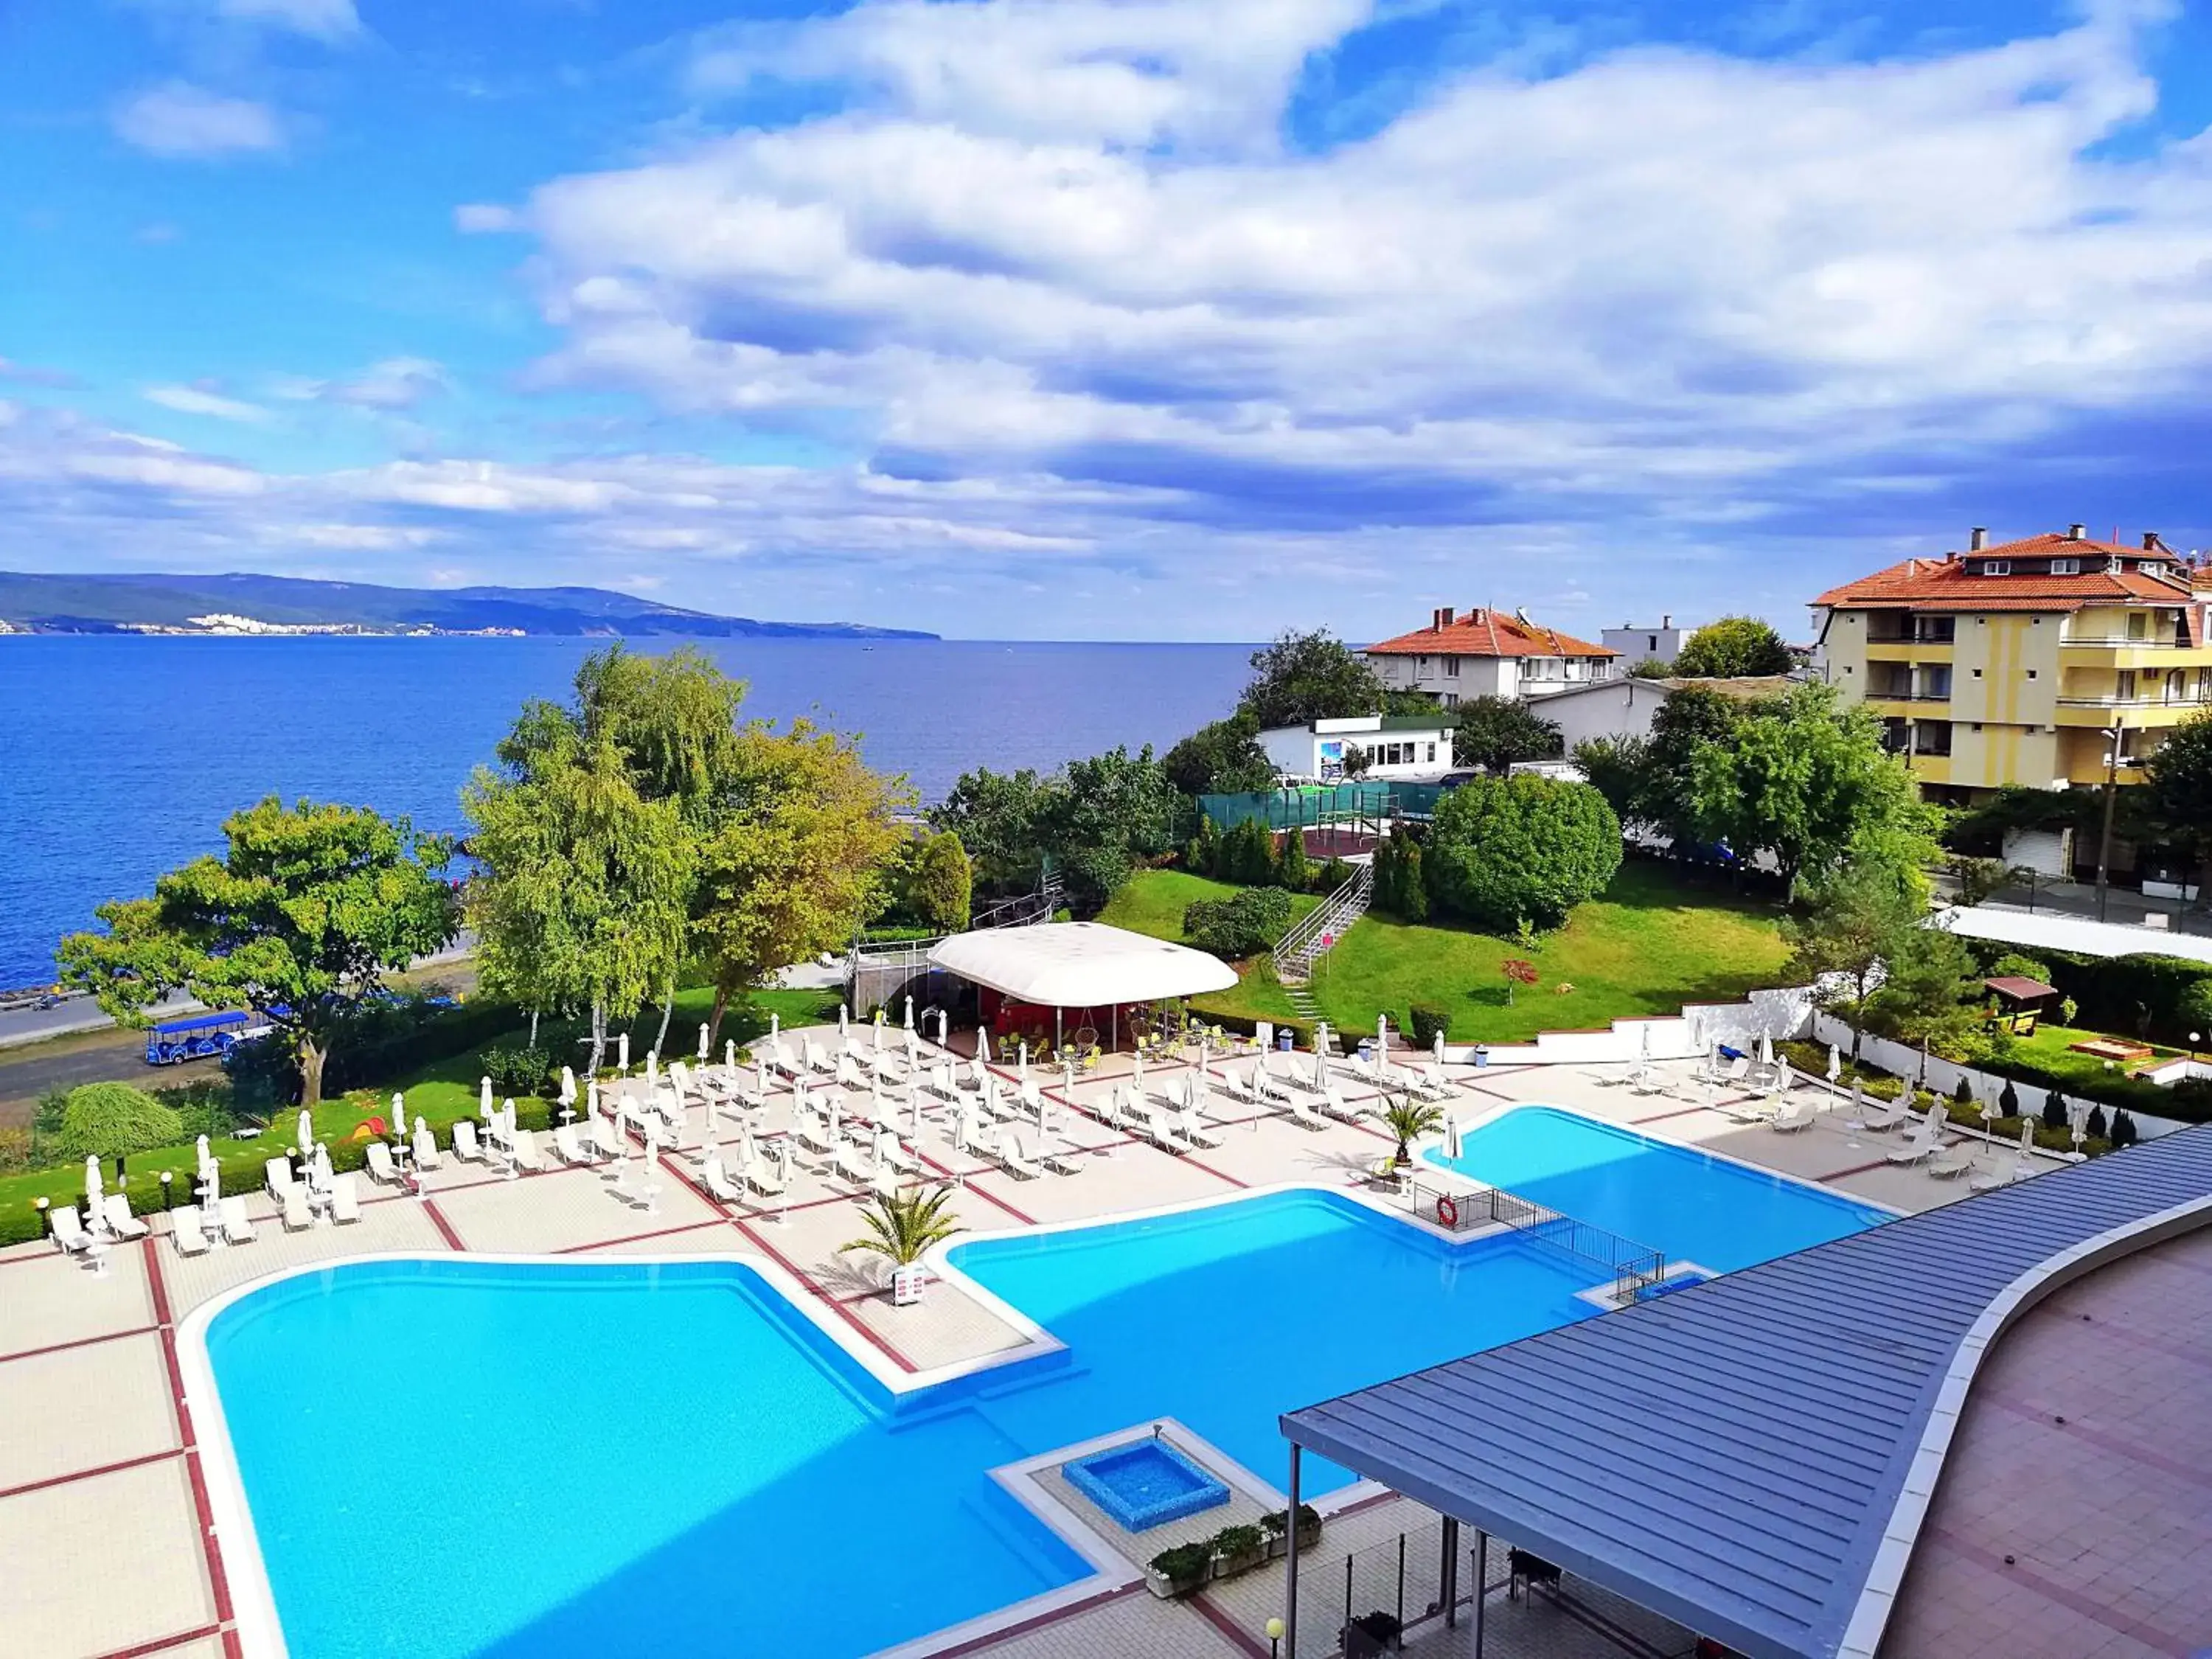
point(456, 1457)
point(1691, 1204)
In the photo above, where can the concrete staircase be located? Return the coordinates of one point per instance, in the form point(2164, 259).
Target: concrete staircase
point(1298, 950)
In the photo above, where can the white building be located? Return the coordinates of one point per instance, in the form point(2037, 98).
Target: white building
point(1623, 708)
point(1487, 654)
point(1638, 644)
point(1405, 746)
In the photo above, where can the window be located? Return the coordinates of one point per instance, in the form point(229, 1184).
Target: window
point(2031, 673)
point(1451, 668)
point(2066, 567)
point(1977, 673)
point(1420, 664)
point(1432, 752)
point(1651, 644)
point(2125, 689)
point(2138, 624)
point(2205, 685)
point(1996, 567)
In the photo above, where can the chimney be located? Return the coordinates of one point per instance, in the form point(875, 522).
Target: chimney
point(2151, 543)
point(1444, 616)
point(1475, 615)
point(1666, 620)
point(1978, 540)
point(2077, 532)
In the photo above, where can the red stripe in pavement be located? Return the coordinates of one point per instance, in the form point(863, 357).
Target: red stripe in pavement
point(80, 1342)
point(444, 1227)
point(86, 1474)
point(1660, 1117)
point(1218, 1175)
point(1243, 1639)
point(163, 1643)
point(844, 1312)
point(983, 1192)
point(1855, 1169)
point(217, 1579)
point(992, 1638)
point(636, 1238)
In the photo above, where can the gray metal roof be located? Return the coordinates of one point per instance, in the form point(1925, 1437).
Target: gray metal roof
point(1730, 1455)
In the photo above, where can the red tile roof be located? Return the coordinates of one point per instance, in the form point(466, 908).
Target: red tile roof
point(1484, 632)
point(1945, 584)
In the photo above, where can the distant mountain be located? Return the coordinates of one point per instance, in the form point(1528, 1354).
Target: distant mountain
point(109, 605)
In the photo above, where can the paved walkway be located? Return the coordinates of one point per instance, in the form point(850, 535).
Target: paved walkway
point(106, 1542)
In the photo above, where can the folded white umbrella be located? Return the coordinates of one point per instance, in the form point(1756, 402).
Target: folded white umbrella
point(1381, 1041)
point(652, 1072)
point(1835, 1063)
point(483, 1096)
point(1765, 1049)
point(592, 1098)
point(92, 1184)
point(324, 1174)
point(210, 1191)
point(913, 1112)
point(1451, 1138)
point(909, 1013)
point(306, 1131)
point(878, 1038)
point(1138, 1080)
point(730, 1055)
point(568, 1085)
point(1021, 1062)
point(621, 1051)
point(775, 1030)
point(705, 1041)
point(399, 1115)
point(202, 1158)
point(841, 1019)
point(1436, 1048)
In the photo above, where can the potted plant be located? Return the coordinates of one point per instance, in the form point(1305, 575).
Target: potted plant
point(1409, 1119)
point(1276, 1524)
point(1179, 1572)
point(902, 1226)
point(1238, 1549)
point(1371, 1635)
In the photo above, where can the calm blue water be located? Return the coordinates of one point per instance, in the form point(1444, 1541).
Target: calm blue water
point(1694, 1207)
point(451, 1457)
point(120, 756)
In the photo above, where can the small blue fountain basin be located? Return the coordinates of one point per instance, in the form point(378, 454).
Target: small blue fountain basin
point(1145, 1484)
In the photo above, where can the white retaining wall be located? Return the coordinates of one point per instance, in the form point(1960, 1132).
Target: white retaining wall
point(1686, 1036)
point(1942, 1075)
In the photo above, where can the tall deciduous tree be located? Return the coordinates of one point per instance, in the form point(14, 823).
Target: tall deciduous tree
point(1855, 923)
point(1494, 733)
point(1223, 758)
point(803, 834)
point(1734, 646)
point(1931, 996)
point(1807, 781)
point(299, 921)
point(2180, 775)
point(934, 882)
point(1302, 678)
point(1504, 851)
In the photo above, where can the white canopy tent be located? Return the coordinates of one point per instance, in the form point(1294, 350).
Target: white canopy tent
point(1080, 965)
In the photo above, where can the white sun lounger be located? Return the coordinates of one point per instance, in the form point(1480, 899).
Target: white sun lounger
point(816, 1059)
point(1238, 1087)
point(1333, 1105)
point(1949, 1167)
point(188, 1229)
point(897, 1158)
point(568, 1146)
point(237, 1225)
point(606, 1138)
point(115, 1211)
point(381, 1166)
point(276, 1175)
point(1795, 1116)
point(524, 1152)
point(1989, 1180)
point(345, 1199)
point(298, 1218)
point(1194, 1132)
point(1013, 1159)
point(763, 1178)
point(849, 1164)
point(426, 1148)
point(814, 1135)
point(467, 1147)
point(1924, 1143)
point(718, 1182)
point(69, 1234)
point(1302, 1115)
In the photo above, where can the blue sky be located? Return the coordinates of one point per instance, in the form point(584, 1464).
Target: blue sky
point(1105, 319)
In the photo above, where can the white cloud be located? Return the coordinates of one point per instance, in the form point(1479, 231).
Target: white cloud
point(396, 383)
point(324, 20)
point(479, 218)
point(198, 400)
point(366, 537)
point(180, 119)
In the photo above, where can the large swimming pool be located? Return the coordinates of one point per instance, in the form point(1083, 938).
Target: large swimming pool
point(454, 1458)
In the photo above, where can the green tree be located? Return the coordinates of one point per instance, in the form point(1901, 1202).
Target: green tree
point(1112, 812)
point(903, 1225)
point(1494, 733)
point(801, 838)
point(2177, 777)
point(300, 919)
point(1302, 678)
point(1651, 668)
point(2195, 1006)
point(1502, 851)
point(1001, 819)
point(1238, 926)
point(1620, 769)
point(1224, 758)
point(103, 1120)
point(1806, 780)
point(584, 889)
point(1855, 922)
point(1931, 995)
point(934, 882)
point(1293, 869)
point(1733, 648)
point(1688, 721)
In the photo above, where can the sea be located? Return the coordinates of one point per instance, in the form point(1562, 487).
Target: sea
point(120, 756)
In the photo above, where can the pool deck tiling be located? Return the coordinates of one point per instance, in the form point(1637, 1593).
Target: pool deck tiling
point(106, 1541)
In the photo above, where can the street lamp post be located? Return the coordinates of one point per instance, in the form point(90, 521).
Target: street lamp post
point(2114, 733)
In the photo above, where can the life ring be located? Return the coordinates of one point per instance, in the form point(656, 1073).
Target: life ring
point(1447, 1211)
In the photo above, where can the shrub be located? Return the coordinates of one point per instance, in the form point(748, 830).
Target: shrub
point(1427, 1022)
point(15, 1149)
point(1242, 926)
point(2124, 1129)
point(1294, 870)
point(1504, 850)
point(2013, 965)
point(203, 1106)
point(2096, 1125)
point(1186, 1565)
point(521, 1070)
point(2054, 1110)
point(104, 1119)
point(1964, 1094)
point(2008, 1100)
point(1333, 874)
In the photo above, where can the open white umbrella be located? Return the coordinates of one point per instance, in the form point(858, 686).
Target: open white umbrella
point(621, 1051)
point(92, 1185)
point(306, 1131)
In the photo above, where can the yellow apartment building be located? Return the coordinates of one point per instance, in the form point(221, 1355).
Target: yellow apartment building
point(2010, 664)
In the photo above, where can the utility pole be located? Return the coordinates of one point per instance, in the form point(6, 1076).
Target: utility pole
point(2114, 732)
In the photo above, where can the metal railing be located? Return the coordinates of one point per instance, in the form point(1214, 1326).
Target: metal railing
point(1022, 910)
point(1634, 1267)
point(1297, 951)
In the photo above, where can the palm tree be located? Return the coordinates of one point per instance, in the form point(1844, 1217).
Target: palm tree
point(1410, 1119)
point(903, 1225)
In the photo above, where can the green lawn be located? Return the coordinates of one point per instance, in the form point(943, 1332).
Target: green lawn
point(2046, 1060)
point(1653, 943)
point(1153, 902)
point(441, 1092)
